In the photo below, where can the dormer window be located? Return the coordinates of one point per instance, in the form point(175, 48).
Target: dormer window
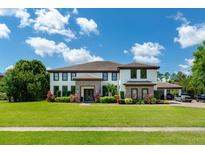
point(143, 73)
point(133, 73)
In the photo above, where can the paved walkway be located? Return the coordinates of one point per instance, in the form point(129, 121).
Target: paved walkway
point(123, 129)
point(189, 104)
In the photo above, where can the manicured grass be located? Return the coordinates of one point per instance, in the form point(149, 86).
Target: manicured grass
point(96, 138)
point(67, 114)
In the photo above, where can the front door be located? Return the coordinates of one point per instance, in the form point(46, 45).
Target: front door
point(88, 95)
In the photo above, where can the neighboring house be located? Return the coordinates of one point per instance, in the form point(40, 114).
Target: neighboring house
point(1, 76)
point(89, 79)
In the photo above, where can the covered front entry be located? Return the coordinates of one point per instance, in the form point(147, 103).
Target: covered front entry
point(87, 87)
point(88, 95)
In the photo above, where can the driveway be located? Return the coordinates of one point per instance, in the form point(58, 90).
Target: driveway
point(194, 104)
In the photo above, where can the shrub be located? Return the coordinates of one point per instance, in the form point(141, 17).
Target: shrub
point(107, 99)
point(74, 98)
point(149, 99)
point(62, 99)
point(157, 94)
point(117, 99)
point(163, 102)
point(3, 96)
point(153, 100)
point(50, 97)
point(128, 100)
point(97, 97)
point(141, 101)
point(135, 101)
point(122, 95)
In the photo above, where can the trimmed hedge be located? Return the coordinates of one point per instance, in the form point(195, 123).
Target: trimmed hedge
point(62, 99)
point(107, 99)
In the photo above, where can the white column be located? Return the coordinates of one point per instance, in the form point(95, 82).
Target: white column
point(165, 93)
point(179, 92)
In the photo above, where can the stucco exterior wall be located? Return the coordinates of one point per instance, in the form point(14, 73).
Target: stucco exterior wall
point(125, 76)
point(70, 83)
point(122, 77)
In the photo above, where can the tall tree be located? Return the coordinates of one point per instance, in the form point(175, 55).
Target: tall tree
point(167, 76)
point(160, 76)
point(27, 81)
point(198, 69)
point(173, 77)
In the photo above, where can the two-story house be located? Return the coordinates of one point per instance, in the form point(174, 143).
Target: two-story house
point(136, 80)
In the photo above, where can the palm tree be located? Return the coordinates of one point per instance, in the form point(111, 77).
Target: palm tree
point(160, 76)
point(167, 76)
point(111, 89)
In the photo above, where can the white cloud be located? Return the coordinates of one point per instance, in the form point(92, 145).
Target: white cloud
point(186, 68)
point(87, 26)
point(180, 17)
point(75, 11)
point(43, 47)
point(80, 55)
point(147, 52)
point(189, 34)
point(125, 51)
point(4, 31)
point(9, 67)
point(53, 22)
point(22, 14)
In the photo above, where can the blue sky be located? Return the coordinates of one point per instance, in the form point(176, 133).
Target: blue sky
point(61, 37)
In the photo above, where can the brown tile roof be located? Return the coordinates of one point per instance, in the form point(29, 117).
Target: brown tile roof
point(96, 66)
point(99, 66)
point(139, 83)
point(165, 85)
point(87, 77)
point(139, 65)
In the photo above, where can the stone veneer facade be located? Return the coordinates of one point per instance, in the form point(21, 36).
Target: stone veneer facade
point(96, 85)
point(128, 90)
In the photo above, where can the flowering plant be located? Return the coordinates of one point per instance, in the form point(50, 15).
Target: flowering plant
point(50, 97)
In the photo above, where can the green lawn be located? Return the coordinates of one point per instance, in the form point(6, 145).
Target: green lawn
point(67, 114)
point(80, 138)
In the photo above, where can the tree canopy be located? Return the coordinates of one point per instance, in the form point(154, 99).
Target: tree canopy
point(27, 81)
point(198, 69)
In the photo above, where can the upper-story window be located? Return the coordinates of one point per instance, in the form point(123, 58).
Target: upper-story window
point(143, 73)
point(133, 73)
point(73, 75)
point(105, 76)
point(56, 76)
point(114, 76)
point(65, 76)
